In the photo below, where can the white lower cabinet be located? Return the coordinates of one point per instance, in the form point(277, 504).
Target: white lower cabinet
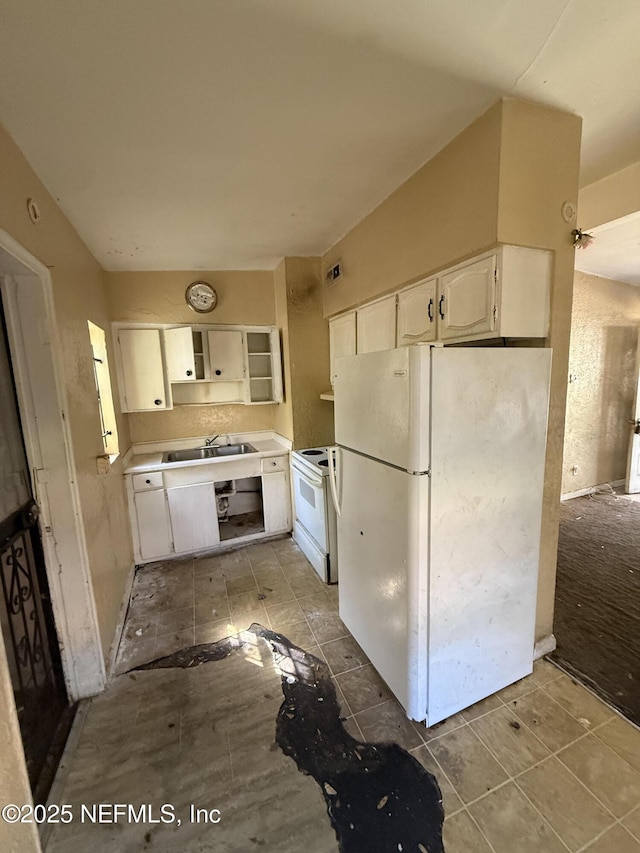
point(151, 519)
point(183, 510)
point(276, 502)
point(194, 517)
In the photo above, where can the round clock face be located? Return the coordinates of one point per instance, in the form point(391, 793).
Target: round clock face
point(201, 297)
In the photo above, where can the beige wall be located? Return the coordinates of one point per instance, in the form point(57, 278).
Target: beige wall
point(604, 335)
point(308, 349)
point(503, 179)
point(79, 296)
point(244, 298)
point(539, 171)
point(283, 417)
point(611, 198)
point(444, 212)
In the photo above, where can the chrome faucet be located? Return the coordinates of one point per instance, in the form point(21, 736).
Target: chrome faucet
point(209, 441)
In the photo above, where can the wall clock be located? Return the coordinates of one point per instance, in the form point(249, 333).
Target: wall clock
point(201, 297)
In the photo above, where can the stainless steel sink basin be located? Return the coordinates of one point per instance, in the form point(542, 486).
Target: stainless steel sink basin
point(233, 449)
point(213, 452)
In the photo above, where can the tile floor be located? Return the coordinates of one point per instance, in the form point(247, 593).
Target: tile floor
point(542, 766)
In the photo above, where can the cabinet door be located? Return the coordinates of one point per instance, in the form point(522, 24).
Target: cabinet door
point(142, 373)
point(181, 365)
point(376, 325)
point(466, 300)
point(194, 517)
point(154, 529)
point(342, 338)
point(417, 313)
point(263, 357)
point(276, 502)
point(226, 354)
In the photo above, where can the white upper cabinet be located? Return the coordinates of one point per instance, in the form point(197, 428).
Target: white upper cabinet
point(161, 367)
point(501, 294)
point(376, 325)
point(181, 363)
point(342, 338)
point(417, 313)
point(263, 358)
point(141, 372)
point(226, 355)
point(467, 300)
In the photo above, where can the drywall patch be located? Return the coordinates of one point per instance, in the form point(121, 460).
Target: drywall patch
point(379, 797)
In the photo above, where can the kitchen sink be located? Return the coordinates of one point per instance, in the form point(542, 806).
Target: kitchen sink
point(232, 449)
point(212, 452)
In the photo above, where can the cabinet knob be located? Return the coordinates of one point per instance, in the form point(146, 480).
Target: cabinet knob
point(218, 372)
point(148, 482)
point(158, 402)
point(189, 372)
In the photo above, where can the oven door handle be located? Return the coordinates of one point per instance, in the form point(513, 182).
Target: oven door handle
point(333, 461)
point(312, 481)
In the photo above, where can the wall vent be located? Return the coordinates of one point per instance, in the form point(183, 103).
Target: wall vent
point(333, 273)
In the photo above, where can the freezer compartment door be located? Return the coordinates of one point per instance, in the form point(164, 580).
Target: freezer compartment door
point(382, 405)
point(382, 593)
point(488, 455)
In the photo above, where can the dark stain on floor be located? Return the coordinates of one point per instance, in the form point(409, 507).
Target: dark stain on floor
point(379, 798)
point(597, 614)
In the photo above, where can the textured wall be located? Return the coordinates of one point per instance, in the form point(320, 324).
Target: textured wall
point(79, 296)
point(308, 334)
point(244, 298)
point(283, 416)
point(604, 335)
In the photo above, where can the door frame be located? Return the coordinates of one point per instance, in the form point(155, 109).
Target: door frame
point(27, 296)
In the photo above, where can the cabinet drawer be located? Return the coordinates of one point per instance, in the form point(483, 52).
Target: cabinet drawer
point(274, 463)
point(141, 482)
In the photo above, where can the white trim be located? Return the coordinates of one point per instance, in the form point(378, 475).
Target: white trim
point(591, 490)
point(544, 646)
point(122, 616)
point(36, 358)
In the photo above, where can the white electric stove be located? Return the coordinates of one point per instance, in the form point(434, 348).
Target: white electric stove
point(314, 529)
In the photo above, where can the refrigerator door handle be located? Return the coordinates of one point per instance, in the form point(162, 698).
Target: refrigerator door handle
point(333, 461)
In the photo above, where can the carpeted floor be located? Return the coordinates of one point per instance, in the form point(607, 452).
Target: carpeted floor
point(597, 617)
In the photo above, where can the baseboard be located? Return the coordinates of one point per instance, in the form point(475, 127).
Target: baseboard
point(590, 490)
point(117, 634)
point(544, 646)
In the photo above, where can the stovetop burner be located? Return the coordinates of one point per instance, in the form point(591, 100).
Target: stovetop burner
point(312, 452)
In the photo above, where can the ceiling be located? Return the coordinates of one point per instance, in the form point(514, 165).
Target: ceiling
point(226, 134)
point(614, 252)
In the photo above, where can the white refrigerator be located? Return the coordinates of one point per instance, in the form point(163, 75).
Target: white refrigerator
point(438, 476)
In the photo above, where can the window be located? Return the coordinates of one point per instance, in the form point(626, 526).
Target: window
point(103, 386)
